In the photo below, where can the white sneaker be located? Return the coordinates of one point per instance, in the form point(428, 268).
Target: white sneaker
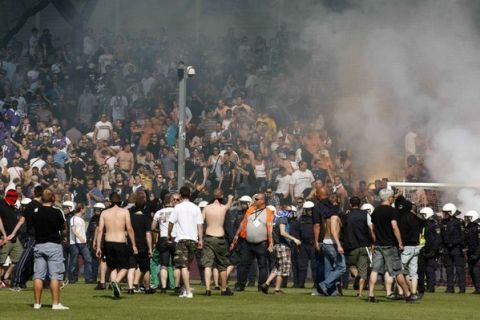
point(188, 295)
point(59, 307)
point(37, 306)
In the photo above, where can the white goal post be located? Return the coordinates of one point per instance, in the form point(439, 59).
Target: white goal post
point(430, 194)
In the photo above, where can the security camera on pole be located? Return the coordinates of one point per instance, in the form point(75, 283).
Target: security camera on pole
point(182, 101)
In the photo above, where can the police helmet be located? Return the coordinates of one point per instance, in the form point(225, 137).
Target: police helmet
point(25, 201)
point(203, 204)
point(69, 204)
point(308, 205)
point(99, 206)
point(245, 199)
point(472, 216)
point(450, 209)
point(367, 207)
point(427, 213)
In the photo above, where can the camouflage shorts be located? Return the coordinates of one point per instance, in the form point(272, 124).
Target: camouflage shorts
point(184, 253)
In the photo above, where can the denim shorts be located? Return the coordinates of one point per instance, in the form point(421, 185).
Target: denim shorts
point(48, 257)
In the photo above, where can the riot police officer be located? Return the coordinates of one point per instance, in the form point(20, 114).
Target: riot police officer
point(91, 232)
point(303, 230)
point(429, 254)
point(472, 235)
point(453, 240)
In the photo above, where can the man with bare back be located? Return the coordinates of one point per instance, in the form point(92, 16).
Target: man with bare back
point(116, 222)
point(332, 259)
point(215, 246)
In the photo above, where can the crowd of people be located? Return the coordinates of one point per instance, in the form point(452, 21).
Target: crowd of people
point(277, 186)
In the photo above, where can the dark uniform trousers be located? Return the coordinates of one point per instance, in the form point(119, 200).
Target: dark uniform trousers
point(306, 253)
point(454, 261)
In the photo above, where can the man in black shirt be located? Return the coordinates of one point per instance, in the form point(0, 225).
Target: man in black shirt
point(410, 228)
point(11, 247)
point(388, 244)
point(358, 236)
point(227, 179)
point(48, 223)
point(143, 238)
point(22, 271)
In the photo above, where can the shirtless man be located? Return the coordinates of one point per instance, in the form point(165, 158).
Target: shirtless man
point(331, 262)
point(116, 222)
point(215, 246)
point(126, 159)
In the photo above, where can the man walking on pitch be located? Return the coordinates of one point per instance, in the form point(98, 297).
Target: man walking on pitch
point(188, 220)
point(116, 222)
point(215, 247)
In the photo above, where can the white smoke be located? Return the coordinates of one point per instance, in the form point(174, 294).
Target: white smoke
point(395, 63)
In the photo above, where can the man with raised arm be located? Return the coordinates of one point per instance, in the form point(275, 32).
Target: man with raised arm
point(215, 246)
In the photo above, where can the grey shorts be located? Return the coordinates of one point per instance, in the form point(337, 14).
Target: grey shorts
point(387, 259)
point(48, 257)
point(410, 261)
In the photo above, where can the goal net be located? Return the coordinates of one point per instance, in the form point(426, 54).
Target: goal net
point(433, 195)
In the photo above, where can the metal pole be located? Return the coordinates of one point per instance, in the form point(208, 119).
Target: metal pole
point(182, 101)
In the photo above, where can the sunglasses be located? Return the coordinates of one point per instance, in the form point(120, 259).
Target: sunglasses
point(175, 199)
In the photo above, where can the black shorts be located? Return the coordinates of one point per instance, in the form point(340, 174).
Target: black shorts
point(142, 260)
point(116, 254)
point(166, 250)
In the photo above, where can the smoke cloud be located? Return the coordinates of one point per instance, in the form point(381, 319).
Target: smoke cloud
point(395, 64)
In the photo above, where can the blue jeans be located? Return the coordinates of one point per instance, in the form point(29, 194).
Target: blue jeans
point(75, 250)
point(333, 266)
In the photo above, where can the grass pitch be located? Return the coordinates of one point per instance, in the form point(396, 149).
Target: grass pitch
point(85, 303)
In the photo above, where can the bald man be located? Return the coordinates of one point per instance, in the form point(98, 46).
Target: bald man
point(330, 255)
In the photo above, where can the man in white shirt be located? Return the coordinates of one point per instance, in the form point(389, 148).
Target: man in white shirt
point(78, 245)
point(103, 129)
point(283, 183)
point(302, 179)
point(188, 221)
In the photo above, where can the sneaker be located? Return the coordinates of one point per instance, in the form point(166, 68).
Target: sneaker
point(136, 288)
point(188, 295)
point(15, 289)
point(279, 292)
point(227, 292)
point(322, 289)
point(150, 291)
point(100, 286)
point(208, 293)
point(371, 299)
point(315, 293)
point(59, 307)
point(264, 287)
point(217, 288)
point(37, 306)
point(115, 290)
point(340, 289)
point(411, 299)
point(238, 289)
point(178, 291)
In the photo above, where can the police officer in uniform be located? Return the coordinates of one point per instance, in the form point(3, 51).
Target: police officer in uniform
point(472, 235)
point(302, 229)
point(91, 231)
point(453, 239)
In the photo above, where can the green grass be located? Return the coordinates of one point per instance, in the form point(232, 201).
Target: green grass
point(85, 303)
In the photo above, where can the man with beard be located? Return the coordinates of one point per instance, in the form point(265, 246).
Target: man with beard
point(143, 238)
point(116, 222)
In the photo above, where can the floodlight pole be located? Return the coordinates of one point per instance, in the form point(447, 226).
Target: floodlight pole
point(182, 102)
